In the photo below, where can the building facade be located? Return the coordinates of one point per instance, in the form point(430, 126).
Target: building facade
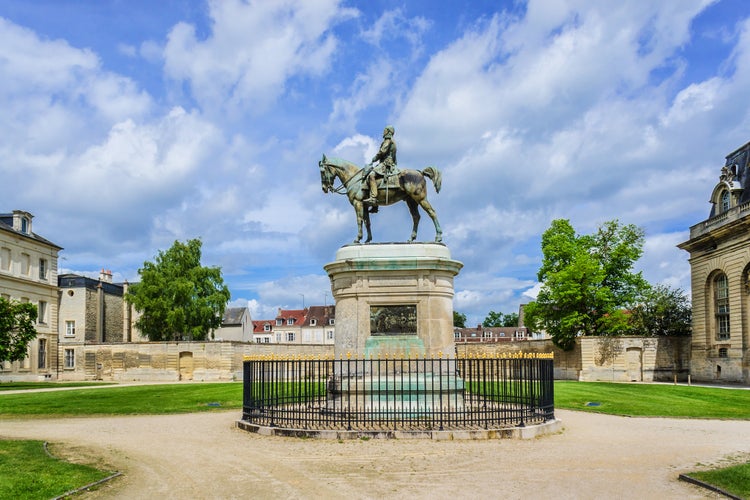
point(28, 273)
point(719, 250)
point(312, 325)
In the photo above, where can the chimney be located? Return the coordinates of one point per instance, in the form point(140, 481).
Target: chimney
point(105, 275)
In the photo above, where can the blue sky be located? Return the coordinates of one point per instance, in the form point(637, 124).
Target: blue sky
point(129, 124)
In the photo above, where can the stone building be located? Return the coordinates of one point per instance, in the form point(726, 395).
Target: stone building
point(28, 273)
point(719, 250)
point(92, 311)
point(236, 325)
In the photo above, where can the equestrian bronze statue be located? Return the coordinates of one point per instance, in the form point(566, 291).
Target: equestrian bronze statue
point(393, 186)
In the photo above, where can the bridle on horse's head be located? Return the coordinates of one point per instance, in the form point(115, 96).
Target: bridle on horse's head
point(326, 177)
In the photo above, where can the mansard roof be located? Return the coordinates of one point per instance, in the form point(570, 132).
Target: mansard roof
point(6, 224)
point(297, 315)
point(321, 315)
point(259, 325)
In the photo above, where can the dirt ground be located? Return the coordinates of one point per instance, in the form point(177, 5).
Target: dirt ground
point(204, 456)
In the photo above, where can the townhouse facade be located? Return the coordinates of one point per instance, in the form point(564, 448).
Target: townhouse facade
point(312, 325)
point(28, 273)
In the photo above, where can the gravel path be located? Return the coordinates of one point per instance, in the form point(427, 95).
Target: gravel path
point(204, 456)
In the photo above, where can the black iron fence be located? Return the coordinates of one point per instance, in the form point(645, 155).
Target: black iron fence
point(399, 394)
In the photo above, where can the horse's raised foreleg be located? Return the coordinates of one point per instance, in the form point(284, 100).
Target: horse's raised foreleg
point(414, 211)
point(433, 215)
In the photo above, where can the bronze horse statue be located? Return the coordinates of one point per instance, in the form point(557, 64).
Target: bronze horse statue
point(411, 187)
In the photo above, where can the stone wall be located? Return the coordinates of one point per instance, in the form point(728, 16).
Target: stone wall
point(619, 359)
point(567, 363)
point(174, 361)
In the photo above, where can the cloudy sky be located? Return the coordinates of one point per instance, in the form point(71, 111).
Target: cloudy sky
point(126, 125)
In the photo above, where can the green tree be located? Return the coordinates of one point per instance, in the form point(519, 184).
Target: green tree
point(177, 296)
point(494, 319)
point(16, 329)
point(459, 320)
point(662, 311)
point(587, 281)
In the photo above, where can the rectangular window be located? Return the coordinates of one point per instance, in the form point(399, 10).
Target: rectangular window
point(290, 321)
point(42, 269)
point(266, 327)
point(70, 328)
point(25, 264)
point(721, 303)
point(331, 321)
point(257, 340)
point(329, 334)
point(41, 316)
point(279, 322)
point(290, 336)
point(5, 259)
point(278, 338)
point(70, 358)
point(42, 353)
point(266, 340)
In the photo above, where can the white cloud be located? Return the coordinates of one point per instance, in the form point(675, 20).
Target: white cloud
point(252, 50)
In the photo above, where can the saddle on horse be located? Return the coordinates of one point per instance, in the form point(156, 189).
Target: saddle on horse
point(382, 177)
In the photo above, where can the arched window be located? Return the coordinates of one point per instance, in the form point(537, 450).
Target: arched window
point(721, 306)
point(725, 201)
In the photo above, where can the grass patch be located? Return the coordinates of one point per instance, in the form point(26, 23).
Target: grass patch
point(653, 400)
point(27, 471)
point(734, 479)
point(126, 400)
point(24, 386)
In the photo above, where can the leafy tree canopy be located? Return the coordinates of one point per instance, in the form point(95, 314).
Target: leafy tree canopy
point(494, 319)
point(662, 310)
point(459, 320)
point(177, 296)
point(16, 329)
point(587, 281)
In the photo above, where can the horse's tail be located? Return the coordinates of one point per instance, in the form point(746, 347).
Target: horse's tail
point(434, 174)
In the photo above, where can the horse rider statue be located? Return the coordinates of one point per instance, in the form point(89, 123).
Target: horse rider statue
point(386, 155)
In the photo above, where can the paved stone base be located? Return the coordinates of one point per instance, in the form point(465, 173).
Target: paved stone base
point(527, 432)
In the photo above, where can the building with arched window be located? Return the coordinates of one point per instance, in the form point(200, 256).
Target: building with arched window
point(720, 278)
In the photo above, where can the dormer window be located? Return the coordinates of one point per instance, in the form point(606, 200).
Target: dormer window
point(290, 321)
point(313, 322)
point(25, 225)
point(266, 327)
point(331, 321)
point(725, 201)
point(279, 322)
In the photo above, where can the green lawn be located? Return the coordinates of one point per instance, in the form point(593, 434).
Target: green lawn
point(23, 386)
point(126, 400)
point(653, 400)
point(735, 479)
point(27, 471)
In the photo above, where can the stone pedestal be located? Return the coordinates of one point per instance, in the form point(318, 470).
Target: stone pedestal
point(394, 299)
